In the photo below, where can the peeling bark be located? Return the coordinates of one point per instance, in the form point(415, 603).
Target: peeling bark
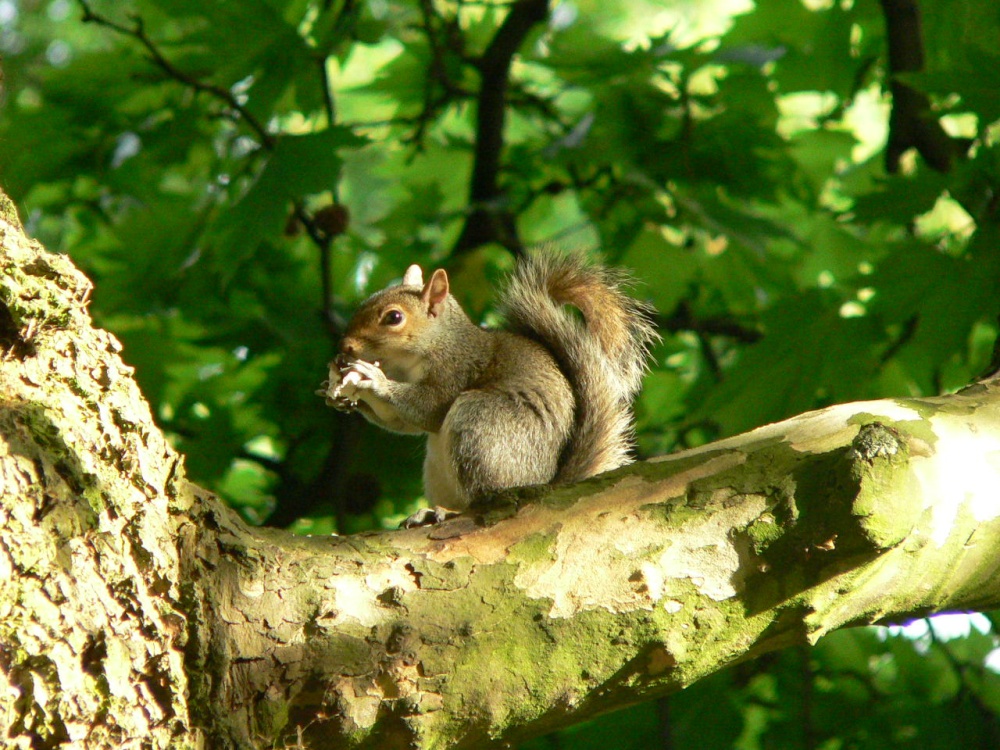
point(136, 610)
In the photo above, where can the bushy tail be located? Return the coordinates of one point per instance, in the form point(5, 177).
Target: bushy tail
point(604, 355)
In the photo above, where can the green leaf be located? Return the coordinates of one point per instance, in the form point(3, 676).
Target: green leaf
point(824, 358)
point(299, 166)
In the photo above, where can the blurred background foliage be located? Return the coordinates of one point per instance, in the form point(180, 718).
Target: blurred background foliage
point(807, 190)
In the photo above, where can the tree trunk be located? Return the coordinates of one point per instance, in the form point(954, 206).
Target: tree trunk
point(137, 611)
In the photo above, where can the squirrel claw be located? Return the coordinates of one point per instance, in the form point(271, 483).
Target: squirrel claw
point(428, 517)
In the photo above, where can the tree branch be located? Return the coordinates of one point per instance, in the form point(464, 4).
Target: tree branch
point(684, 319)
point(489, 220)
point(138, 32)
point(912, 124)
point(707, 557)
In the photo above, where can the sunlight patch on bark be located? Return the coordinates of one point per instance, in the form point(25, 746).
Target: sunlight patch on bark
point(353, 600)
point(965, 469)
point(636, 570)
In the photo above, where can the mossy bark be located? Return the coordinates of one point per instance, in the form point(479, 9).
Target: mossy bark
point(136, 609)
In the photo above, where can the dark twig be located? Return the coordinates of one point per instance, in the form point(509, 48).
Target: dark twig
point(683, 319)
point(439, 88)
point(545, 106)
point(328, 103)
point(268, 140)
point(969, 674)
point(295, 498)
point(490, 220)
point(344, 25)
point(858, 83)
point(911, 123)
point(324, 243)
point(904, 337)
point(138, 32)
point(709, 356)
point(665, 725)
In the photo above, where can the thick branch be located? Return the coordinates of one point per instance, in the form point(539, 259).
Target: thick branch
point(92, 632)
point(631, 586)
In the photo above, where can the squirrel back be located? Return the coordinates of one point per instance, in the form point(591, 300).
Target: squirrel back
point(603, 355)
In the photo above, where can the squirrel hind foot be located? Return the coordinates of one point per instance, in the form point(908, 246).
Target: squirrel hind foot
point(428, 517)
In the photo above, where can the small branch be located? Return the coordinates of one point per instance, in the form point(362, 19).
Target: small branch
point(333, 488)
point(966, 692)
point(321, 239)
point(138, 32)
point(265, 462)
point(328, 103)
point(344, 25)
point(806, 698)
point(857, 84)
point(324, 243)
point(490, 220)
point(665, 726)
point(545, 106)
point(909, 328)
point(911, 122)
point(708, 354)
point(683, 319)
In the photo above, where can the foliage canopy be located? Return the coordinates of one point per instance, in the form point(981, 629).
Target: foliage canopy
point(808, 192)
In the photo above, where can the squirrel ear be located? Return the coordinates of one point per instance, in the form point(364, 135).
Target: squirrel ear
point(435, 292)
point(413, 276)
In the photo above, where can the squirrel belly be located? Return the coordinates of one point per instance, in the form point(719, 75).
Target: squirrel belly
point(547, 399)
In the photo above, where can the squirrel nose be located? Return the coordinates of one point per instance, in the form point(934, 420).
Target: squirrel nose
point(349, 348)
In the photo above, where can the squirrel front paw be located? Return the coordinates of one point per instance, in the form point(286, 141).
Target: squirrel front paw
point(340, 391)
point(354, 377)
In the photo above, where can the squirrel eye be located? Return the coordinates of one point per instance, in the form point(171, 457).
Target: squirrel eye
point(392, 318)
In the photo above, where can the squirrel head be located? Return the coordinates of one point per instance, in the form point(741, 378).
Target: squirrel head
point(397, 326)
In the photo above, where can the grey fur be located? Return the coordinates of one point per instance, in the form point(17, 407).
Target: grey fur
point(547, 400)
point(604, 356)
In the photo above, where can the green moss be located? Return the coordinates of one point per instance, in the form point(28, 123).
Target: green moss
point(676, 510)
point(270, 716)
point(763, 531)
point(921, 429)
point(918, 428)
point(534, 548)
point(442, 576)
point(664, 466)
point(887, 504)
point(520, 665)
point(926, 409)
point(46, 434)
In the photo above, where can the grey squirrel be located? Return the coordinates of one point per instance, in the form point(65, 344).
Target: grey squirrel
point(546, 399)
